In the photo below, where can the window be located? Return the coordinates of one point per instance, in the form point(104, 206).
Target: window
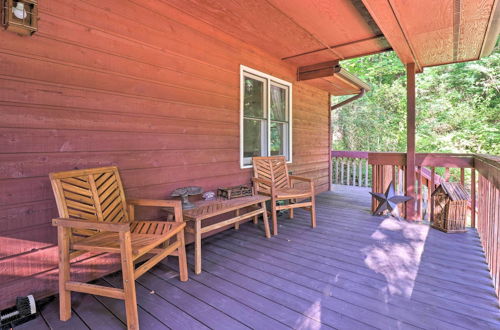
point(266, 112)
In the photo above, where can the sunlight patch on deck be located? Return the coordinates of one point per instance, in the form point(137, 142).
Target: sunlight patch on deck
point(312, 314)
point(395, 252)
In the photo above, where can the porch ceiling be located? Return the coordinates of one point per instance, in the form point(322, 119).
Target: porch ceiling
point(430, 33)
point(299, 32)
point(424, 32)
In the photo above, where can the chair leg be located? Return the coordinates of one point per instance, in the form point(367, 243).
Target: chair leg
point(274, 217)
point(290, 211)
point(63, 235)
point(237, 224)
point(265, 220)
point(129, 281)
point(181, 251)
point(313, 212)
point(256, 219)
point(197, 248)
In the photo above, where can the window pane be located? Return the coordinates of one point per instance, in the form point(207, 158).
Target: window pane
point(253, 101)
point(278, 103)
point(253, 138)
point(278, 139)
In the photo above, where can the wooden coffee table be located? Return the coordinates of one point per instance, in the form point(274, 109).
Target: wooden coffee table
point(208, 209)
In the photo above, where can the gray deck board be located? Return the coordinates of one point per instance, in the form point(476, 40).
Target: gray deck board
point(353, 271)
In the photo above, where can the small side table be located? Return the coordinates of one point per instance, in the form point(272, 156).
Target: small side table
point(208, 209)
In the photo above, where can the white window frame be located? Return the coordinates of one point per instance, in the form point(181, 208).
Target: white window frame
point(288, 144)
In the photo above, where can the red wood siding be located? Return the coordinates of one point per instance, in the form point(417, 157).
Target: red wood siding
point(141, 86)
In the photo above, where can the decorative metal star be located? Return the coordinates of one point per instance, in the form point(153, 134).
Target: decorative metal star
point(389, 201)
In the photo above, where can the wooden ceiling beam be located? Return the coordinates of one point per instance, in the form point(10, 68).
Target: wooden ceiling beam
point(386, 19)
point(377, 37)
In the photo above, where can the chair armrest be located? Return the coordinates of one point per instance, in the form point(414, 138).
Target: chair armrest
point(176, 204)
point(90, 224)
point(299, 178)
point(155, 202)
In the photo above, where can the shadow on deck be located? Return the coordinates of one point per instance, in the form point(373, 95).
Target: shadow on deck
point(353, 271)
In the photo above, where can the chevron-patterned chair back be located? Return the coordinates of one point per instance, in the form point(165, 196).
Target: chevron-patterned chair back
point(95, 217)
point(272, 169)
point(271, 178)
point(92, 194)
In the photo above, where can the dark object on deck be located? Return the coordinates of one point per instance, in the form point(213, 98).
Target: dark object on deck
point(234, 192)
point(24, 311)
point(450, 201)
point(389, 201)
point(184, 193)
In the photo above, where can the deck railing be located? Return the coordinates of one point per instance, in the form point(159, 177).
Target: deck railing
point(432, 169)
point(351, 168)
point(488, 220)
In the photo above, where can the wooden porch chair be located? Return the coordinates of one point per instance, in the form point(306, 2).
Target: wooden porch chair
point(96, 217)
point(271, 178)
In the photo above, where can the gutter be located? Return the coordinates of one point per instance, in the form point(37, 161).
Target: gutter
point(347, 76)
point(349, 100)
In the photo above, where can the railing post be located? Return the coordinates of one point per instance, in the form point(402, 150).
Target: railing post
point(336, 170)
point(473, 197)
point(366, 173)
point(354, 166)
point(431, 201)
point(348, 171)
point(341, 171)
point(360, 183)
point(419, 193)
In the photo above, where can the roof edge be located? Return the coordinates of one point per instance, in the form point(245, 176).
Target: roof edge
point(491, 35)
point(346, 75)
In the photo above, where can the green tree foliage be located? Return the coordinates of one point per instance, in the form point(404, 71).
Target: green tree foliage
point(458, 107)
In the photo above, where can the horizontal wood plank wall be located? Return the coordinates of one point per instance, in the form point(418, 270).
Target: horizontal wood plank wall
point(139, 85)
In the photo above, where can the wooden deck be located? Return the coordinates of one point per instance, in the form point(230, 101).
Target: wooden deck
point(354, 271)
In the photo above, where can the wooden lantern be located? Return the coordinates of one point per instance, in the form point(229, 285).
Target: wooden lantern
point(20, 16)
point(450, 207)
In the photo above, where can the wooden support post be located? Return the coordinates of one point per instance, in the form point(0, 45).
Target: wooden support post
point(462, 176)
point(410, 140)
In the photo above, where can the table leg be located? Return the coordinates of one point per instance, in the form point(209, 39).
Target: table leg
point(197, 248)
point(256, 220)
point(237, 224)
point(266, 220)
